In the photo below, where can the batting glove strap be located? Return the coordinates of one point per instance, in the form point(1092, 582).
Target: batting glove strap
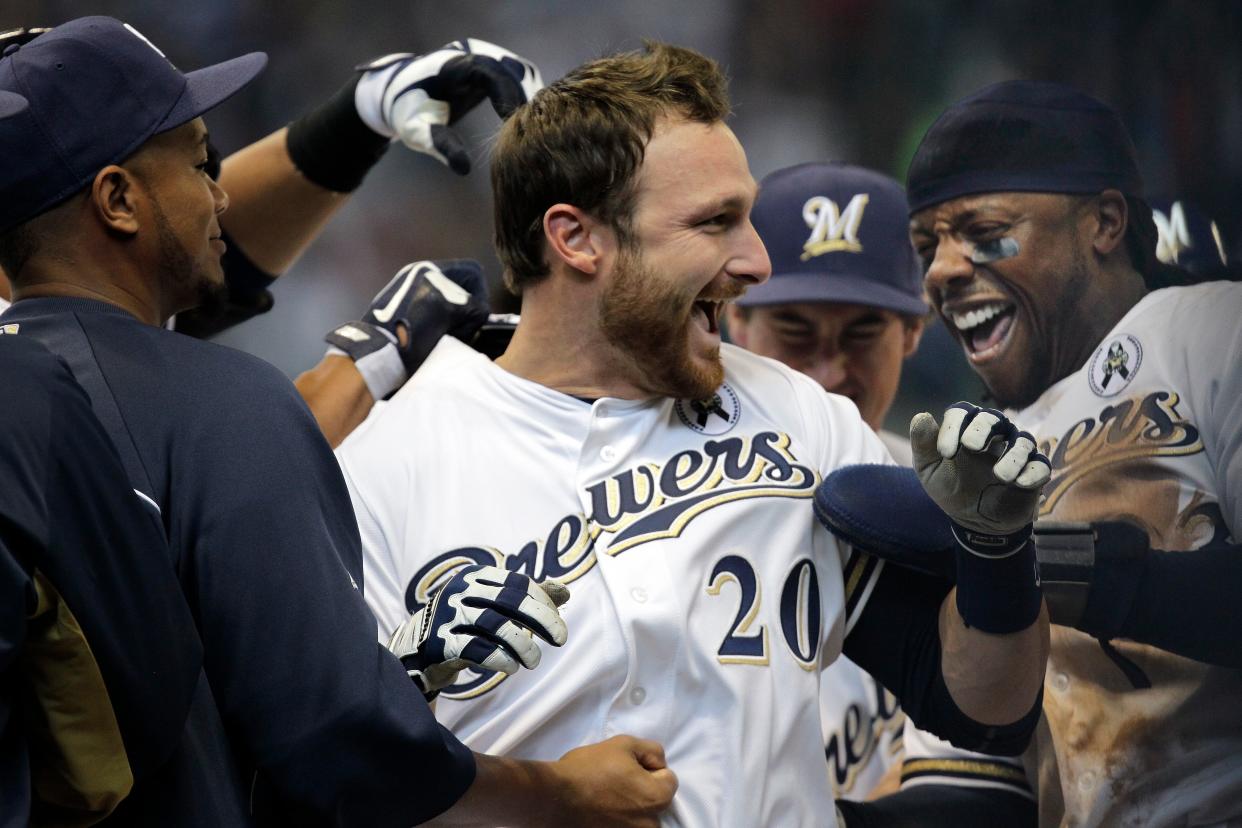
point(998, 594)
point(375, 354)
point(992, 547)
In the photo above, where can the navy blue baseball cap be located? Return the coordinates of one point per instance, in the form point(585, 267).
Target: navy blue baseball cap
point(836, 233)
point(11, 104)
point(1023, 136)
point(97, 91)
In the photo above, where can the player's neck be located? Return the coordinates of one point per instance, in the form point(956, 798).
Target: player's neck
point(67, 278)
point(566, 352)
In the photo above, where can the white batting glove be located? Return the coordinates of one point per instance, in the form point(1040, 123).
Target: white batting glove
point(991, 501)
point(416, 98)
point(484, 617)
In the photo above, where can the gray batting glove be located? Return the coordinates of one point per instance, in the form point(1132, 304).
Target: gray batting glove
point(983, 472)
point(417, 98)
point(484, 617)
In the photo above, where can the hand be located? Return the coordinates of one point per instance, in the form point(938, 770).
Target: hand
point(623, 782)
point(991, 501)
point(422, 303)
point(427, 300)
point(482, 617)
point(416, 98)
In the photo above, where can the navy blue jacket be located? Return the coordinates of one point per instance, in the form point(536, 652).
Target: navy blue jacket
point(263, 536)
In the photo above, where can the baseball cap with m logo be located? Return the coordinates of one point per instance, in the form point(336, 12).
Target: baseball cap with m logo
point(96, 90)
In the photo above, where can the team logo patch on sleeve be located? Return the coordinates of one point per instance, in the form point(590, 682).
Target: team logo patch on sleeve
point(1114, 365)
point(714, 415)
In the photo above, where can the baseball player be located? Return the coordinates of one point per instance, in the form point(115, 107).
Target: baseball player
point(107, 232)
point(845, 306)
point(623, 450)
point(1027, 211)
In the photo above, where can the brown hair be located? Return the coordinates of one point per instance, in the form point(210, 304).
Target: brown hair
point(581, 141)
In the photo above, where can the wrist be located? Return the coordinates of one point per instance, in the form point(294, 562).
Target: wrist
point(375, 355)
point(332, 146)
point(990, 545)
point(997, 592)
point(526, 792)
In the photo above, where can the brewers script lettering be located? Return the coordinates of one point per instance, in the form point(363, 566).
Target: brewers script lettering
point(645, 503)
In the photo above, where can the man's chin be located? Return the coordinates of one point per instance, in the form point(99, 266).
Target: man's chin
point(696, 379)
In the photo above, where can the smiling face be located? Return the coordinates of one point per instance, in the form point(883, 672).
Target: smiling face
point(185, 207)
point(853, 350)
point(690, 248)
point(1014, 278)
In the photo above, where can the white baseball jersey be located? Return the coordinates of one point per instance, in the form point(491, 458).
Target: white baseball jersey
point(862, 729)
point(1148, 431)
point(706, 597)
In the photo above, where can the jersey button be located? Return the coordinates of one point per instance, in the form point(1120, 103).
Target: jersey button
point(638, 695)
point(639, 594)
point(1086, 782)
point(1060, 682)
point(608, 454)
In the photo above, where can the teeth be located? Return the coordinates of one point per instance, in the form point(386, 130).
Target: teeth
point(976, 317)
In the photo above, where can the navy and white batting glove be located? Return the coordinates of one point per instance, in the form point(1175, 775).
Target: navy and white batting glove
point(425, 301)
point(992, 502)
point(483, 617)
point(417, 98)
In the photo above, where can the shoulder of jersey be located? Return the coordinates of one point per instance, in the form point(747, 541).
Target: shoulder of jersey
point(451, 364)
point(744, 366)
point(1182, 308)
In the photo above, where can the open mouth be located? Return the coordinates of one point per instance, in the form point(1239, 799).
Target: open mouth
point(983, 329)
point(710, 311)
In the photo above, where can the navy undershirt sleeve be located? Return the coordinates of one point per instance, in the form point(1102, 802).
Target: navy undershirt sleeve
point(1182, 602)
point(897, 640)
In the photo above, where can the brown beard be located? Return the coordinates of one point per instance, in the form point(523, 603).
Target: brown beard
point(646, 319)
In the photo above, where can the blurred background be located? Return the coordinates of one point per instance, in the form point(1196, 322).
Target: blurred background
point(851, 80)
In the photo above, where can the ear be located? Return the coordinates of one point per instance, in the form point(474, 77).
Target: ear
point(577, 238)
point(912, 333)
point(114, 199)
point(735, 324)
point(1111, 216)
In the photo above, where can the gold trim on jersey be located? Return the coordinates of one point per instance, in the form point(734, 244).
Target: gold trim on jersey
point(981, 772)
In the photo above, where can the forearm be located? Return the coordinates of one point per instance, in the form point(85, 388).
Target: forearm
point(505, 792)
point(1182, 602)
point(337, 396)
point(274, 212)
point(993, 678)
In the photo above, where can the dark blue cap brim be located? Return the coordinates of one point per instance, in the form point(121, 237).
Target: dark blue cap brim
point(831, 287)
point(11, 103)
point(210, 86)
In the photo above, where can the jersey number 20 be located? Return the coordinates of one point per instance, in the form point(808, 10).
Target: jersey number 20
point(800, 613)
